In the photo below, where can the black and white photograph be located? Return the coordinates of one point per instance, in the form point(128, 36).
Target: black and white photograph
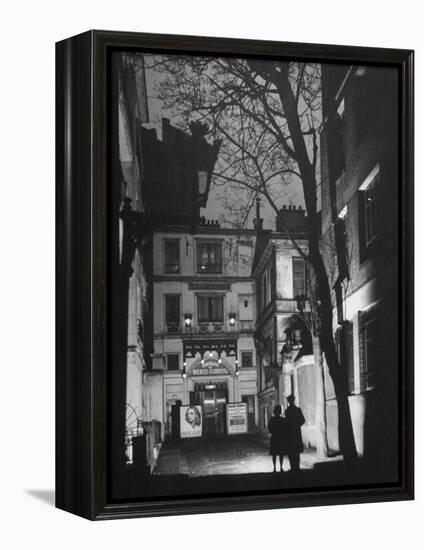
point(254, 270)
point(210, 236)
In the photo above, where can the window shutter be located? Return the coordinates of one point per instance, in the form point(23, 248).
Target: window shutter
point(362, 226)
point(350, 356)
point(340, 249)
point(362, 352)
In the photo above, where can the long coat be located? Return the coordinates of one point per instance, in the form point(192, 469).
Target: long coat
point(295, 420)
point(278, 428)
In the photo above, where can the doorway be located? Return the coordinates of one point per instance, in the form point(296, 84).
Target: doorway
point(213, 399)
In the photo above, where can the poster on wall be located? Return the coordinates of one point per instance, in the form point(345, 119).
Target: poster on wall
point(237, 418)
point(191, 421)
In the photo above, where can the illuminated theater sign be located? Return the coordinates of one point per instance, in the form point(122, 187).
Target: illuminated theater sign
point(209, 367)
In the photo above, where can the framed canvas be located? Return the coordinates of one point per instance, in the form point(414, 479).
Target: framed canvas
point(234, 275)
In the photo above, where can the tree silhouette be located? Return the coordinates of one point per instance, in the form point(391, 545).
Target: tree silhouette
point(268, 114)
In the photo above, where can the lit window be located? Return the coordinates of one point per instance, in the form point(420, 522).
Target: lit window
point(209, 257)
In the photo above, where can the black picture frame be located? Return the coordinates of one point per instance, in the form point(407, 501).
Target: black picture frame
point(82, 274)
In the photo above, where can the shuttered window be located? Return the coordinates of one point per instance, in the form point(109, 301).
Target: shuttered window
point(368, 203)
point(343, 340)
point(368, 347)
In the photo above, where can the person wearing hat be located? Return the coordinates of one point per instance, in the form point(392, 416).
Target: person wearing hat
point(278, 429)
point(294, 419)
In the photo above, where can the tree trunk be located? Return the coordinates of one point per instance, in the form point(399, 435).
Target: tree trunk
point(336, 370)
point(320, 403)
point(323, 292)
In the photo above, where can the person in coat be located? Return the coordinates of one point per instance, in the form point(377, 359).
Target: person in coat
point(294, 419)
point(278, 430)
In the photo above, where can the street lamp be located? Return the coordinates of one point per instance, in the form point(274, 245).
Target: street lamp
point(293, 343)
point(184, 374)
point(237, 371)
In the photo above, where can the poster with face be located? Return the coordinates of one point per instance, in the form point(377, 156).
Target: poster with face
point(191, 421)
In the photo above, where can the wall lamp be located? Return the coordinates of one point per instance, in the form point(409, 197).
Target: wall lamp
point(237, 371)
point(188, 319)
point(232, 318)
point(184, 374)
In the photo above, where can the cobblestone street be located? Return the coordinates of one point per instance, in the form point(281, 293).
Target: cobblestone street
point(237, 454)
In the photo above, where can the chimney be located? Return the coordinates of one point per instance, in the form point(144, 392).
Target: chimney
point(258, 222)
point(291, 219)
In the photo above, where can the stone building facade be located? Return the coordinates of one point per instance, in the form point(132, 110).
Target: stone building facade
point(279, 271)
point(129, 200)
point(204, 311)
point(359, 151)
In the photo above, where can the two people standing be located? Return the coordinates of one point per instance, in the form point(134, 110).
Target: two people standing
point(286, 435)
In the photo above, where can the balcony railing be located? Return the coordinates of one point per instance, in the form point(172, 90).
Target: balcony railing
point(172, 268)
point(245, 326)
point(209, 268)
point(209, 327)
point(173, 327)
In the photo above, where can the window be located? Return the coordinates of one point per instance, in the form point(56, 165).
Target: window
point(338, 143)
point(370, 211)
point(246, 359)
point(265, 289)
point(173, 361)
point(368, 347)
point(209, 257)
point(245, 307)
point(172, 308)
point(345, 351)
point(368, 205)
point(299, 277)
point(172, 257)
point(367, 94)
point(210, 308)
point(341, 248)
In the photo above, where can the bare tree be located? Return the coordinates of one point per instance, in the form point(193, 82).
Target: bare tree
point(268, 114)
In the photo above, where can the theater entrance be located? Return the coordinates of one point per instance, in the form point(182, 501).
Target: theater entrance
point(213, 399)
